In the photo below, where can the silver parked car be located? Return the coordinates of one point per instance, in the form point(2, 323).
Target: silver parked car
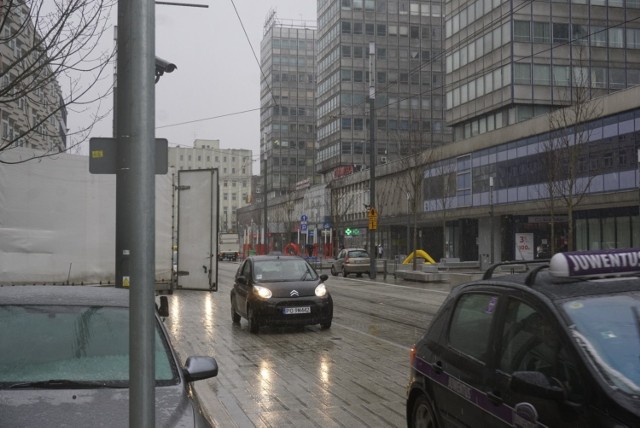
point(351, 260)
point(65, 361)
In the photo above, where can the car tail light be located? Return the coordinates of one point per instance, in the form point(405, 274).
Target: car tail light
point(412, 355)
point(346, 258)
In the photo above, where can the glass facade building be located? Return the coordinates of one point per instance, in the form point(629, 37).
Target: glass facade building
point(508, 61)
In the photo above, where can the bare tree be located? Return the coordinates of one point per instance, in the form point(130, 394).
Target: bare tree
point(444, 192)
point(52, 63)
point(413, 165)
point(566, 159)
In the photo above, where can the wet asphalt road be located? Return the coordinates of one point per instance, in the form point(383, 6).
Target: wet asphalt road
point(352, 375)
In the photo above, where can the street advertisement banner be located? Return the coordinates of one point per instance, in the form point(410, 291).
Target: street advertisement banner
point(524, 246)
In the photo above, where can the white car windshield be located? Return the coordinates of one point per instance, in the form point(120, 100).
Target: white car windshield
point(72, 344)
point(608, 329)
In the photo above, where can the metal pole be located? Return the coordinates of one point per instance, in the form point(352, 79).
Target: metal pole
point(136, 153)
point(372, 158)
point(408, 228)
point(122, 170)
point(264, 196)
point(491, 215)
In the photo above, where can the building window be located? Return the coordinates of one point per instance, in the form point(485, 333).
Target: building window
point(560, 33)
point(522, 74)
point(369, 29)
point(599, 77)
point(633, 38)
point(521, 31)
point(541, 74)
point(541, 32)
point(561, 75)
point(616, 37)
point(598, 36)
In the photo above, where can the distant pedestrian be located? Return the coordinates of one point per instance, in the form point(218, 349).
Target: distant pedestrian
point(380, 251)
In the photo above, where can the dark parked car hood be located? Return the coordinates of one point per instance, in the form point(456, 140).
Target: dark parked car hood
point(91, 408)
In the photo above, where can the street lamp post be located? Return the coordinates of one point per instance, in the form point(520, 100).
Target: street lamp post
point(491, 217)
point(264, 194)
point(408, 228)
point(373, 267)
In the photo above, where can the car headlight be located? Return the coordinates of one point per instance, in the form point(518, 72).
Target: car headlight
point(321, 290)
point(263, 292)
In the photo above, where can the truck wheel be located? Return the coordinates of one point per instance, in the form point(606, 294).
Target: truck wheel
point(344, 272)
point(334, 272)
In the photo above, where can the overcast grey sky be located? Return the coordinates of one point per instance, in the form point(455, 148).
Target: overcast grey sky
point(217, 73)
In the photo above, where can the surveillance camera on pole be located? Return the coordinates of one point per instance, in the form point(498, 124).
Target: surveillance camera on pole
point(163, 66)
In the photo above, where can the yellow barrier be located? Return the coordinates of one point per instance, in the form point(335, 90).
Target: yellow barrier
point(422, 254)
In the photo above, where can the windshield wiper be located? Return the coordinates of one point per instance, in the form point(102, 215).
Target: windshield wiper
point(67, 384)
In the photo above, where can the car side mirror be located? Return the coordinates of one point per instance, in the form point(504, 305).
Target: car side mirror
point(324, 277)
point(242, 280)
point(536, 384)
point(198, 368)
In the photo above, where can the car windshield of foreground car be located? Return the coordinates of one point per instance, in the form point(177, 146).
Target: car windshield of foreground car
point(58, 346)
point(608, 329)
point(283, 270)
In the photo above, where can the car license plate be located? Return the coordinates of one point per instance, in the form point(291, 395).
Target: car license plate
point(298, 310)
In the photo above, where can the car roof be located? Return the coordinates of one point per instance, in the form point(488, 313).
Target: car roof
point(84, 295)
point(556, 289)
point(560, 279)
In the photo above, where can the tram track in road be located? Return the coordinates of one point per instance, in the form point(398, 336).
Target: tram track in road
point(396, 313)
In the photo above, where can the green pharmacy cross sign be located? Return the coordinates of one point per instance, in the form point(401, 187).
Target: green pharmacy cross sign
point(348, 231)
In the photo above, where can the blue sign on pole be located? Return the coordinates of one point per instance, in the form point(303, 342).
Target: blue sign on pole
point(303, 227)
point(327, 226)
point(304, 217)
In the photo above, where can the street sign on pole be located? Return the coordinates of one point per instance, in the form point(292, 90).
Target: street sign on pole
point(103, 155)
point(373, 219)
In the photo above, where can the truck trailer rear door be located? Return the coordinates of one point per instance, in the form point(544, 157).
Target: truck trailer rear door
point(198, 229)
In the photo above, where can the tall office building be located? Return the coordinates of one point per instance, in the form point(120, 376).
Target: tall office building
point(287, 99)
point(408, 81)
point(508, 61)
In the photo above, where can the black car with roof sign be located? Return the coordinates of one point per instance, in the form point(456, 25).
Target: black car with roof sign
point(555, 346)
